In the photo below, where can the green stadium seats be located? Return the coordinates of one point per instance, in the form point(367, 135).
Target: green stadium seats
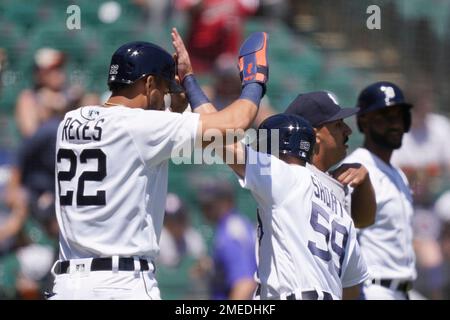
point(12, 41)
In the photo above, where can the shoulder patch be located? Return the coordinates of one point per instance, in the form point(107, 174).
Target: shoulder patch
point(90, 112)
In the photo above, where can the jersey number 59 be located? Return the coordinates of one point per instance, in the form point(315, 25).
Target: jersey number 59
point(325, 231)
point(99, 199)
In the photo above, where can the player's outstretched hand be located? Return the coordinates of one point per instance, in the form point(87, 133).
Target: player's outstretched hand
point(353, 174)
point(181, 55)
point(253, 63)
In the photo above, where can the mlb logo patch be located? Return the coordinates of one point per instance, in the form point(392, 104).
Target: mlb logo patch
point(114, 69)
point(80, 267)
point(305, 145)
point(93, 113)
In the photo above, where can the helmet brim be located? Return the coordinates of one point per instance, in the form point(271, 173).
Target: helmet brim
point(342, 114)
point(376, 107)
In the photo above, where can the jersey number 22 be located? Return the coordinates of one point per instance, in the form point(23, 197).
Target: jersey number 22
point(99, 199)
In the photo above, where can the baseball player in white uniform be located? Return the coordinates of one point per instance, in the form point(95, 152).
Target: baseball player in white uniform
point(386, 245)
point(112, 167)
point(322, 110)
point(307, 241)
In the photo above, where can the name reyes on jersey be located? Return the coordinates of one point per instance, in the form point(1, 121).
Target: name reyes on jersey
point(74, 130)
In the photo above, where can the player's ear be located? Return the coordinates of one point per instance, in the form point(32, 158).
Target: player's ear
point(318, 139)
point(361, 122)
point(318, 135)
point(150, 84)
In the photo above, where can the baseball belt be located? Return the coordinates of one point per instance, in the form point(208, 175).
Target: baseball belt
point(393, 284)
point(105, 264)
point(305, 295)
point(310, 295)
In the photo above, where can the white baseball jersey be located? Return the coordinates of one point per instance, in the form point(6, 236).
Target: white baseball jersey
point(339, 190)
point(111, 178)
point(307, 241)
point(387, 245)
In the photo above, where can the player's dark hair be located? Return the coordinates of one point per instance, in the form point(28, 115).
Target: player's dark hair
point(117, 87)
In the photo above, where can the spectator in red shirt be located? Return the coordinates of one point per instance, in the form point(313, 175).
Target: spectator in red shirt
point(216, 28)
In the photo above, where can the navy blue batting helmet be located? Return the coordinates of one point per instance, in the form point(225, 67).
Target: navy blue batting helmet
point(296, 136)
point(383, 94)
point(138, 59)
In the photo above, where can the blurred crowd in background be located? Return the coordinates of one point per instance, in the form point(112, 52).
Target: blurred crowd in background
point(208, 240)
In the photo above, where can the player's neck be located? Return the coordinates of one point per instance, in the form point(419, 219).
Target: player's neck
point(320, 165)
point(382, 153)
point(292, 160)
point(323, 161)
point(134, 102)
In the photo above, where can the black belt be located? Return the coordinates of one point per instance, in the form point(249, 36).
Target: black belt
point(310, 295)
point(103, 264)
point(306, 295)
point(404, 286)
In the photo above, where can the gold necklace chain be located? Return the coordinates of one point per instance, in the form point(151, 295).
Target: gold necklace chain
point(110, 104)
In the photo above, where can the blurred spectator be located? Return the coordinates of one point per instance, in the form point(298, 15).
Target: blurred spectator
point(429, 259)
point(226, 88)
point(234, 243)
point(178, 238)
point(182, 264)
point(425, 163)
point(445, 245)
point(156, 13)
point(31, 222)
point(24, 270)
point(26, 253)
point(34, 169)
point(35, 261)
point(13, 211)
point(30, 197)
point(215, 28)
point(422, 155)
point(276, 9)
point(442, 210)
point(12, 216)
point(442, 207)
point(48, 74)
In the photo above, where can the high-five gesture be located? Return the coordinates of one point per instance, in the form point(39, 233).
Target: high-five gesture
point(184, 66)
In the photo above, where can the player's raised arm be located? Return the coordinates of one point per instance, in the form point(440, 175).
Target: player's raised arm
point(184, 69)
point(254, 73)
point(237, 152)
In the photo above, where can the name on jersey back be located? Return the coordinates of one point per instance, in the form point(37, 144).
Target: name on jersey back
point(75, 130)
point(326, 196)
